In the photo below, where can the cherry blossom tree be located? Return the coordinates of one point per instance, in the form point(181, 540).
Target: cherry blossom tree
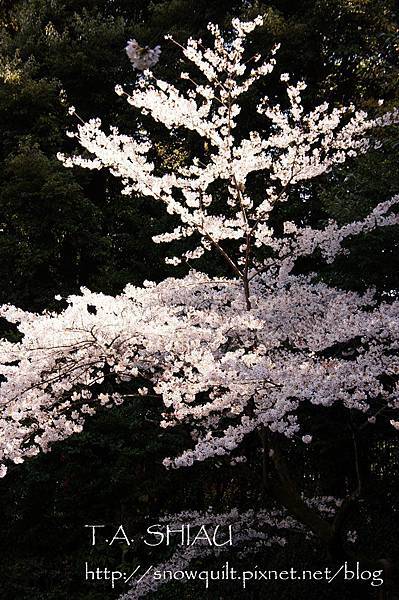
point(233, 356)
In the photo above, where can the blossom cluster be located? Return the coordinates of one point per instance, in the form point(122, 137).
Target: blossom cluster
point(253, 531)
point(292, 146)
point(142, 58)
point(193, 338)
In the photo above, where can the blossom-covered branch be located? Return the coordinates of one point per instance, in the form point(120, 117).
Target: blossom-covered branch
point(291, 146)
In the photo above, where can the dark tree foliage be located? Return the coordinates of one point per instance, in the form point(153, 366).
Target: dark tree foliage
point(62, 229)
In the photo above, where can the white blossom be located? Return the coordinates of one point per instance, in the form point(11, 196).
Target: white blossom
point(142, 58)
